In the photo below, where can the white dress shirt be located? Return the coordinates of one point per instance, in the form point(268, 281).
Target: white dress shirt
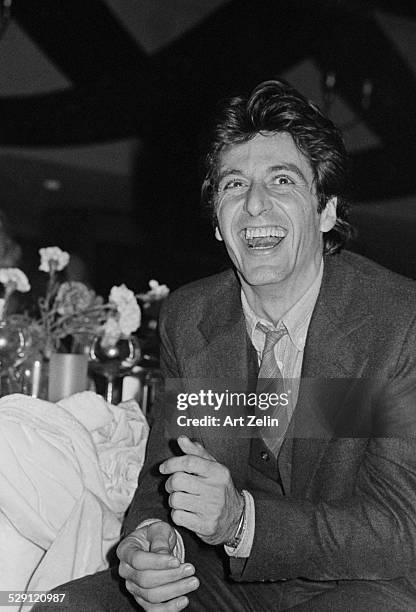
point(289, 357)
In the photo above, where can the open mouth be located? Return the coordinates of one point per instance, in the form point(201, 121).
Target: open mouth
point(266, 237)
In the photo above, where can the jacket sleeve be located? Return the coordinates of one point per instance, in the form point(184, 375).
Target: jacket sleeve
point(149, 500)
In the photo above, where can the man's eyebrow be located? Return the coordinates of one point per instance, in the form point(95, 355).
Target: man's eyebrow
point(227, 172)
point(288, 167)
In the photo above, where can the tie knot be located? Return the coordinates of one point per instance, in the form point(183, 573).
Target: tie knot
point(272, 336)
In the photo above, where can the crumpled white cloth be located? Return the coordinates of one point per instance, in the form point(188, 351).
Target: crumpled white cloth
point(68, 472)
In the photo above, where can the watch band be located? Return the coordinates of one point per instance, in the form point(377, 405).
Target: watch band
point(236, 539)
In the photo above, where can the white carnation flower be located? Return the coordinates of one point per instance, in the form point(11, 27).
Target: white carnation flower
point(53, 258)
point(130, 319)
point(127, 307)
point(14, 280)
point(156, 292)
point(159, 291)
point(121, 296)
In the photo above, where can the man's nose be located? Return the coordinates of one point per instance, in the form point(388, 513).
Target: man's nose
point(257, 200)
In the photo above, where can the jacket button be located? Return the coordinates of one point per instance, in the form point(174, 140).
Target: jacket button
point(264, 456)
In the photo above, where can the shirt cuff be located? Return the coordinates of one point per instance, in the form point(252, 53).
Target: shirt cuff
point(179, 550)
point(243, 549)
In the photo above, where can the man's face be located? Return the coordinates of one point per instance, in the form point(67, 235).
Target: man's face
point(267, 211)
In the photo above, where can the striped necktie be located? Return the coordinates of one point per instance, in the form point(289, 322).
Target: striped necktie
point(270, 380)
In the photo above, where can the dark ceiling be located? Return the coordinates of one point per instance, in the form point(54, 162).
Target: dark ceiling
point(165, 98)
point(118, 90)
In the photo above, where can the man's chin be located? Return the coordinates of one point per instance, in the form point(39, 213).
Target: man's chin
point(261, 276)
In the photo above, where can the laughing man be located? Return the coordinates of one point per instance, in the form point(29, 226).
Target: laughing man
point(321, 515)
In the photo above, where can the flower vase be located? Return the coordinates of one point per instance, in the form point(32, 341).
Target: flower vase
point(68, 374)
point(34, 375)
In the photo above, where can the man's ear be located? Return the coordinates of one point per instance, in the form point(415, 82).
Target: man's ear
point(218, 233)
point(328, 215)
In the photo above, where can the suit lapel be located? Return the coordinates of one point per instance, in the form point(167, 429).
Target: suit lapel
point(227, 361)
point(224, 330)
point(335, 353)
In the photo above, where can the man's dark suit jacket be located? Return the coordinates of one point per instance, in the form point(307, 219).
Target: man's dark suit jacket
point(345, 507)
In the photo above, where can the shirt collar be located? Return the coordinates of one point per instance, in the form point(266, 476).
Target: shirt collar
point(297, 318)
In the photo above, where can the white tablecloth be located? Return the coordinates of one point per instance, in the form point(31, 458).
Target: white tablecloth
point(67, 474)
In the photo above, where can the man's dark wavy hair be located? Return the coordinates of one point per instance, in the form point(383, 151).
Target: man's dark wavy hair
point(272, 107)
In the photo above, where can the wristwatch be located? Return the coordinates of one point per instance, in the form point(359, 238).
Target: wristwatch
point(236, 539)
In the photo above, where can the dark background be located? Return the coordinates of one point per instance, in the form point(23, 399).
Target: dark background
point(104, 105)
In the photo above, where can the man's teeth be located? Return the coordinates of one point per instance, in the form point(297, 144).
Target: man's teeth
point(265, 237)
point(264, 232)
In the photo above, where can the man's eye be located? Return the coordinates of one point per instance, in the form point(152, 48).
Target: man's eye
point(232, 184)
point(282, 180)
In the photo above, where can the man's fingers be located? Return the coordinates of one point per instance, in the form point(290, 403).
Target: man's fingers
point(185, 501)
point(171, 590)
point(130, 553)
point(180, 481)
point(161, 537)
point(150, 579)
point(179, 603)
point(164, 593)
point(193, 448)
point(190, 520)
point(157, 578)
point(191, 464)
